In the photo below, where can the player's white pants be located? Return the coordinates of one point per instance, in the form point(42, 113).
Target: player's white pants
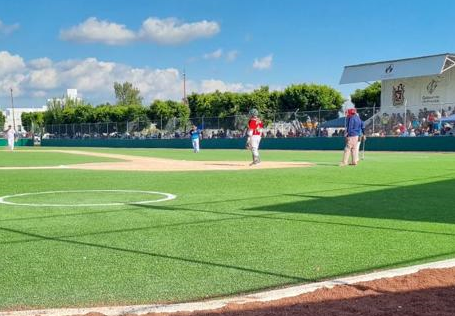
point(11, 143)
point(351, 150)
point(255, 140)
point(358, 149)
point(195, 145)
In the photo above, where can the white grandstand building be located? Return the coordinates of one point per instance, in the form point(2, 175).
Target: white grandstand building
point(412, 83)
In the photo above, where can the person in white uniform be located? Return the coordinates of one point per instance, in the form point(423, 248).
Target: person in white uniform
point(10, 136)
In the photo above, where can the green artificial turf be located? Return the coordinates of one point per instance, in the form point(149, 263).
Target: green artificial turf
point(36, 158)
point(226, 232)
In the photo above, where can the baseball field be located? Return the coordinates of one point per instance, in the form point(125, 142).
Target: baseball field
point(91, 227)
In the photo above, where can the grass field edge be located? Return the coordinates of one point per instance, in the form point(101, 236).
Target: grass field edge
point(264, 296)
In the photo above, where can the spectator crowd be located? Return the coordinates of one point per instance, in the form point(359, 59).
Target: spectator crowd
point(423, 123)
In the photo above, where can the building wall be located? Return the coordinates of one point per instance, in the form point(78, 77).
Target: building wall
point(431, 92)
point(17, 116)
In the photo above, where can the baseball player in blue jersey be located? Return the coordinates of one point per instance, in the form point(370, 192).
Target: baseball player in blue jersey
point(195, 135)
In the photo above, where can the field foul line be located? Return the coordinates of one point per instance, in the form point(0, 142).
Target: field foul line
point(35, 168)
point(266, 296)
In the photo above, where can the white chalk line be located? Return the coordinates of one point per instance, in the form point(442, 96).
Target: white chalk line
point(36, 168)
point(167, 197)
point(266, 296)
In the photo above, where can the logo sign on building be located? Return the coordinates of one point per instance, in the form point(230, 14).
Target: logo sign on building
point(431, 87)
point(431, 97)
point(389, 69)
point(398, 95)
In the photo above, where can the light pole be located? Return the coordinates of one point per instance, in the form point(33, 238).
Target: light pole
point(185, 101)
point(12, 109)
point(405, 114)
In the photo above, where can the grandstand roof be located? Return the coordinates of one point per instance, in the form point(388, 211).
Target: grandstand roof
point(399, 68)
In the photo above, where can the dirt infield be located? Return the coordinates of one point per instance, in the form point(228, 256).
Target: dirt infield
point(136, 163)
point(427, 292)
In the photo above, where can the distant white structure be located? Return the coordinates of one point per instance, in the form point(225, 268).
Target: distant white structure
point(17, 116)
point(412, 83)
point(71, 94)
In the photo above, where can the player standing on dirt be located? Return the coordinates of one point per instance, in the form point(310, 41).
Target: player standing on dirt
point(255, 127)
point(195, 135)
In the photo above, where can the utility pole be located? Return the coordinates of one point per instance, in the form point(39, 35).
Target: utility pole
point(12, 109)
point(185, 101)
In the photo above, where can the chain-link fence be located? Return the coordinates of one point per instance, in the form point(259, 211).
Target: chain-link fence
point(394, 121)
point(288, 124)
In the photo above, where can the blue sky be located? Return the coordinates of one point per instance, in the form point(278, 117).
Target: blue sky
point(49, 46)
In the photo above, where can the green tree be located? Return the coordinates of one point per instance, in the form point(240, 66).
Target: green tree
point(135, 113)
point(311, 97)
point(2, 120)
point(111, 113)
point(33, 121)
point(367, 100)
point(127, 94)
point(84, 113)
point(26, 118)
point(38, 119)
point(168, 109)
point(163, 111)
point(54, 112)
point(368, 97)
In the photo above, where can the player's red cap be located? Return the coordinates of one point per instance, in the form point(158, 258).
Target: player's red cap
point(351, 112)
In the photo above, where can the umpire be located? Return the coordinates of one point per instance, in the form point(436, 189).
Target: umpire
point(354, 129)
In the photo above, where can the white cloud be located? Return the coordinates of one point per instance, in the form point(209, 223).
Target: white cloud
point(39, 94)
point(88, 74)
point(43, 78)
point(171, 31)
point(213, 85)
point(40, 63)
point(214, 55)
point(13, 81)
point(263, 63)
point(8, 29)
point(10, 63)
point(232, 55)
point(93, 30)
point(168, 31)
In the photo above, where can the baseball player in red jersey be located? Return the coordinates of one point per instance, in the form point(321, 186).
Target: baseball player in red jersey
point(255, 127)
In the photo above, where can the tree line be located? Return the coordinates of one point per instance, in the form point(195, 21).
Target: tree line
point(129, 105)
point(2, 120)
